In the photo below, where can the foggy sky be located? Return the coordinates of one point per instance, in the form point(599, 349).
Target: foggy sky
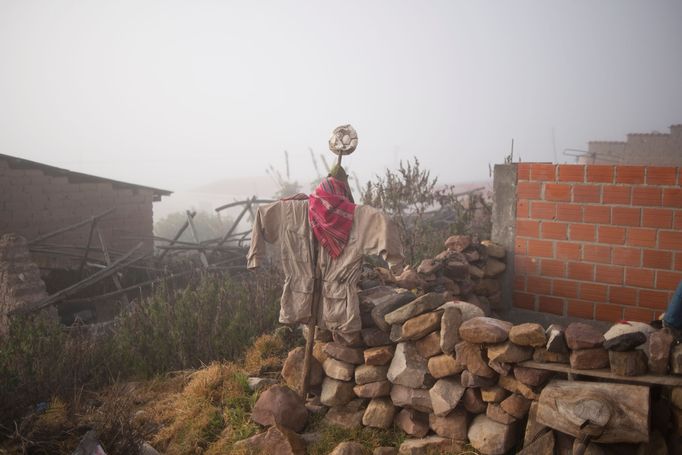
point(179, 93)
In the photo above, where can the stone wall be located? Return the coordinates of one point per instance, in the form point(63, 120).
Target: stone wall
point(659, 149)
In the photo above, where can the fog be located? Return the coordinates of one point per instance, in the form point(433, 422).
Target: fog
point(179, 94)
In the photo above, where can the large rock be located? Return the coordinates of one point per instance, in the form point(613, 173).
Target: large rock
point(628, 363)
point(412, 422)
point(494, 394)
point(473, 402)
point(364, 374)
point(444, 365)
point(544, 445)
point(531, 376)
point(490, 437)
point(487, 287)
point(348, 416)
point(494, 250)
point(516, 405)
point(373, 389)
point(421, 305)
point(429, 345)
point(408, 368)
point(494, 267)
point(374, 337)
point(348, 448)
point(583, 336)
point(626, 336)
point(468, 310)
point(471, 355)
point(501, 368)
point(420, 326)
point(429, 445)
point(509, 352)
point(344, 353)
point(318, 352)
point(380, 355)
point(469, 379)
point(453, 425)
point(396, 333)
point(405, 397)
point(533, 427)
point(556, 339)
point(660, 343)
point(276, 441)
point(389, 305)
point(338, 370)
point(496, 413)
point(528, 334)
point(293, 367)
point(410, 279)
point(429, 266)
point(589, 359)
point(379, 413)
point(484, 330)
point(282, 406)
point(449, 328)
point(385, 451)
point(445, 395)
point(336, 393)
point(545, 356)
point(257, 384)
point(350, 339)
point(514, 386)
point(458, 243)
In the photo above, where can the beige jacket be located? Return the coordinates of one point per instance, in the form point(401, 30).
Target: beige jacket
point(286, 224)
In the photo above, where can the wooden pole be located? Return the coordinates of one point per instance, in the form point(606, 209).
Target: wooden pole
point(310, 342)
point(68, 228)
point(177, 236)
point(195, 235)
point(93, 226)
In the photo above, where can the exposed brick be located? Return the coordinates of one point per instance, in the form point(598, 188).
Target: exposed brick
point(623, 295)
point(678, 261)
point(519, 282)
point(523, 300)
point(646, 195)
point(587, 193)
point(597, 253)
point(611, 234)
point(522, 208)
point(605, 312)
point(626, 216)
point(542, 171)
point(557, 192)
point(593, 291)
point(657, 259)
point(523, 171)
point(568, 251)
point(657, 300)
point(571, 173)
point(550, 305)
point(520, 246)
point(581, 271)
point(528, 228)
point(627, 256)
point(643, 278)
point(539, 285)
point(661, 175)
point(555, 231)
point(600, 173)
point(657, 218)
point(630, 174)
point(677, 224)
point(617, 194)
point(609, 274)
point(637, 314)
point(668, 280)
point(600, 214)
point(672, 197)
point(582, 232)
point(641, 237)
point(541, 248)
point(542, 210)
point(580, 309)
point(565, 288)
point(670, 240)
point(553, 267)
point(529, 190)
point(525, 265)
point(569, 212)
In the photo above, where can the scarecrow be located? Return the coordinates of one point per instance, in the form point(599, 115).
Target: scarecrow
point(322, 240)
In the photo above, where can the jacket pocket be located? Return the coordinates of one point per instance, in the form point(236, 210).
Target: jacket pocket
point(297, 298)
point(334, 304)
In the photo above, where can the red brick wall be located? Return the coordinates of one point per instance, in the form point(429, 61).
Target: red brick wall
point(597, 241)
point(33, 203)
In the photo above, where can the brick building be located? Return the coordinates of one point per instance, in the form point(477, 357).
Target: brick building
point(36, 199)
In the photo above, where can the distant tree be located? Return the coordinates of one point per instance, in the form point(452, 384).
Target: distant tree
point(209, 225)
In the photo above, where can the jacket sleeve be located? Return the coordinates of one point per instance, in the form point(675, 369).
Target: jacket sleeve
point(266, 229)
point(381, 236)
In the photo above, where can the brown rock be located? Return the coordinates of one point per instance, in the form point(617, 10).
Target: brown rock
point(408, 368)
point(531, 376)
point(660, 344)
point(444, 365)
point(545, 356)
point(628, 363)
point(544, 445)
point(516, 405)
point(514, 386)
point(374, 337)
point(348, 416)
point(490, 437)
point(494, 394)
point(410, 279)
point(458, 243)
point(293, 366)
point(528, 334)
point(318, 352)
point(445, 395)
point(282, 406)
point(396, 334)
point(276, 441)
point(385, 451)
point(348, 448)
point(487, 287)
point(420, 326)
point(494, 250)
point(412, 422)
point(344, 353)
point(509, 352)
point(496, 413)
point(501, 368)
point(676, 359)
point(429, 445)
point(556, 340)
point(484, 330)
point(583, 336)
point(469, 379)
point(473, 402)
point(533, 428)
point(390, 304)
point(427, 302)
point(589, 359)
point(336, 393)
point(470, 354)
point(476, 272)
point(429, 266)
point(379, 413)
point(405, 397)
point(449, 330)
point(429, 345)
point(452, 426)
point(350, 339)
point(373, 389)
point(456, 268)
point(380, 355)
point(337, 369)
point(494, 267)
point(364, 374)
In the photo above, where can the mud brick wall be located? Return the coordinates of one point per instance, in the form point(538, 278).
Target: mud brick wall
point(597, 241)
point(33, 203)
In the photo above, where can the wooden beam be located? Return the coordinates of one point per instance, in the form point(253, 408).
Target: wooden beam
point(93, 226)
point(177, 236)
point(69, 228)
point(195, 235)
point(253, 200)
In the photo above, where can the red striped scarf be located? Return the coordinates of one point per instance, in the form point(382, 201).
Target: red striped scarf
point(330, 213)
